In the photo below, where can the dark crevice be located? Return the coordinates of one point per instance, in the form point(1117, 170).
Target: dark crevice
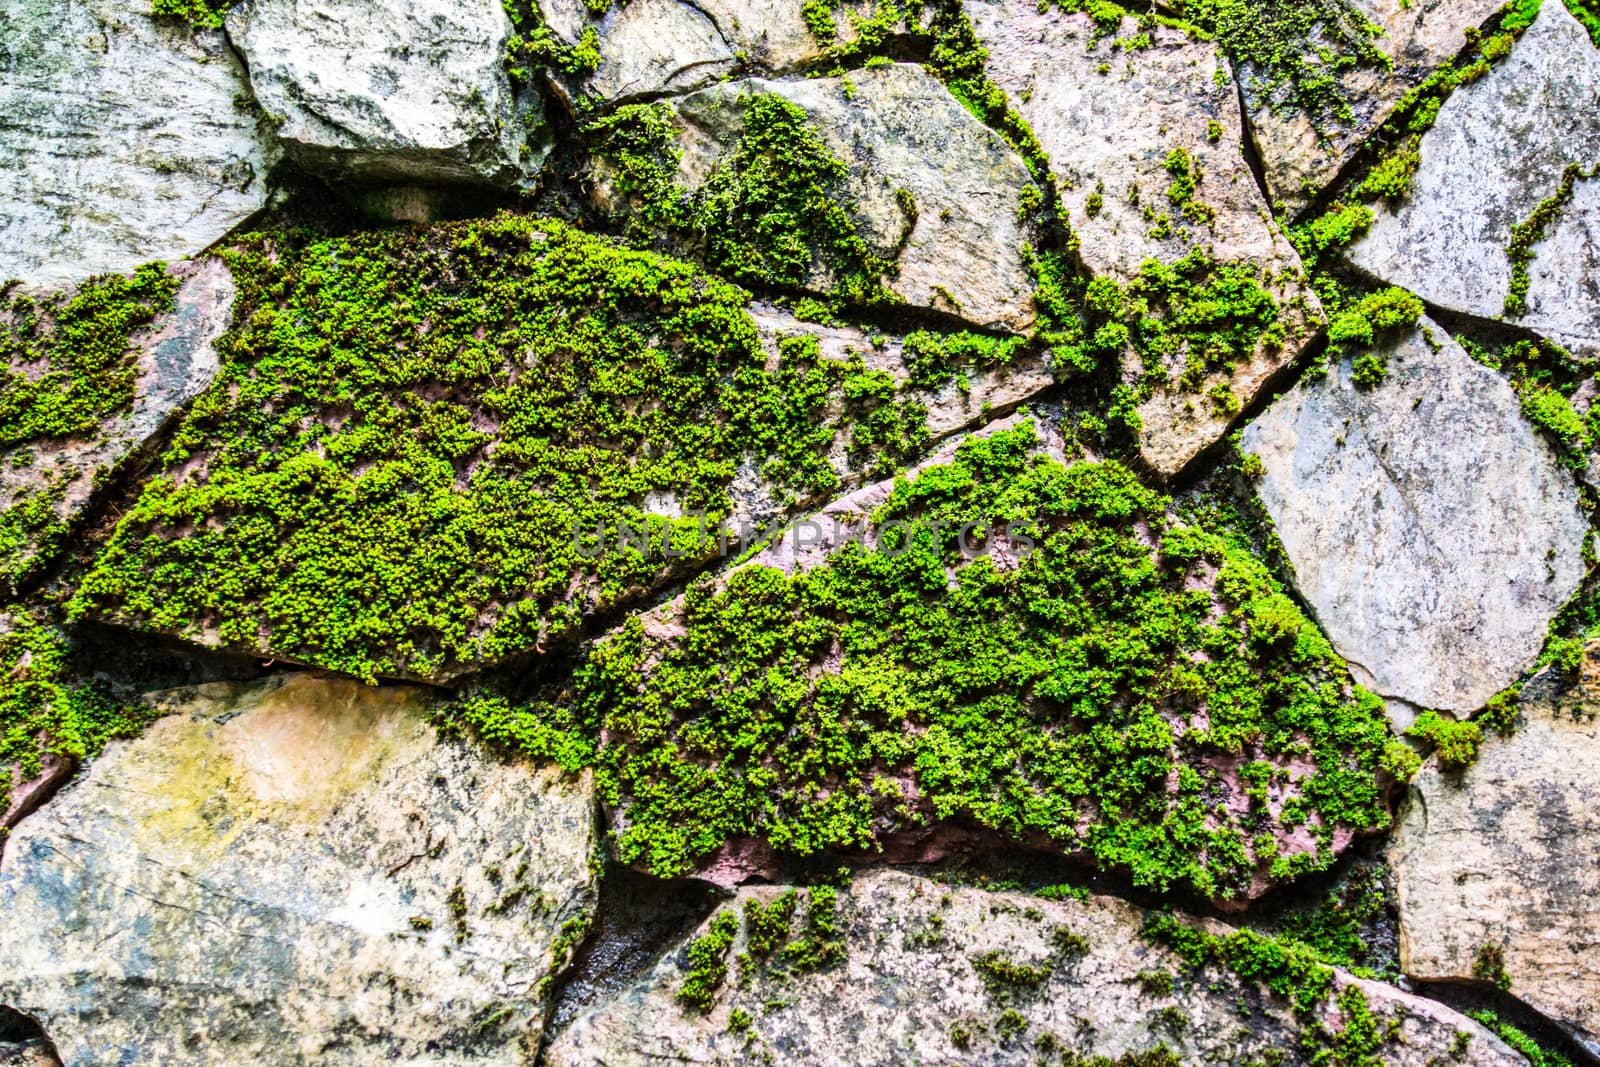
point(639, 919)
point(1277, 383)
point(23, 1034)
point(1469, 995)
point(1247, 139)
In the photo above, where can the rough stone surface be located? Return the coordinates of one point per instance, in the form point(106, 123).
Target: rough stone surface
point(289, 871)
point(1430, 528)
point(391, 90)
point(908, 980)
point(1507, 854)
point(28, 793)
point(1300, 155)
point(176, 361)
point(1498, 149)
point(1108, 137)
point(120, 140)
point(650, 47)
point(899, 128)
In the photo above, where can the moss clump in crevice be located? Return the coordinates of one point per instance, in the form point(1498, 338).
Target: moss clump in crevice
point(201, 14)
point(1528, 233)
point(771, 213)
point(1537, 1054)
point(417, 433)
point(1356, 332)
point(1455, 743)
point(1339, 929)
point(45, 706)
point(534, 46)
point(1082, 696)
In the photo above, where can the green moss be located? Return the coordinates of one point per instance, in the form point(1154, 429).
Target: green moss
point(1002, 974)
point(1377, 317)
point(1588, 13)
point(769, 214)
point(1057, 699)
point(1339, 927)
point(822, 944)
point(533, 46)
point(1455, 743)
point(1292, 971)
point(201, 14)
point(1538, 1055)
point(708, 962)
point(66, 363)
point(1295, 52)
point(417, 432)
point(45, 707)
point(1490, 966)
point(1528, 233)
point(768, 925)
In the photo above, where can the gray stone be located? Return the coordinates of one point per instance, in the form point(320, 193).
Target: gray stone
point(1109, 136)
point(123, 139)
point(176, 360)
point(1432, 531)
point(897, 128)
point(1498, 149)
point(296, 870)
point(1300, 153)
point(651, 47)
point(1504, 855)
point(392, 90)
point(908, 983)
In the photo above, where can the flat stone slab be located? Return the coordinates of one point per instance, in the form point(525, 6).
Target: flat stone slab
point(1301, 153)
point(1506, 855)
point(1110, 122)
point(295, 870)
point(898, 130)
point(121, 139)
point(391, 90)
point(1499, 148)
point(909, 987)
point(1431, 529)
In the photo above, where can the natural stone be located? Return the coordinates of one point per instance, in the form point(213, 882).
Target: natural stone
point(123, 140)
point(1430, 528)
point(1302, 153)
point(296, 870)
point(651, 47)
point(1501, 147)
point(28, 793)
point(899, 131)
point(176, 360)
point(917, 978)
point(1502, 855)
point(1110, 138)
point(392, 90)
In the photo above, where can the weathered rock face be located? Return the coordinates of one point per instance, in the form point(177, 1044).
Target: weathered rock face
point(650, 47)
point(1112, 139)
point(1499, 149)
point(1432, 531)
point(291, 870)
point(392, 91)
point(176, 360)
point(121, 141)
point(956, 242)
point(1301, 153)
point(1501, 857)
point(915, 979)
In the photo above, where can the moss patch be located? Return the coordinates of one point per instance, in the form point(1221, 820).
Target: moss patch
point(1093, 695)
point(417, 433)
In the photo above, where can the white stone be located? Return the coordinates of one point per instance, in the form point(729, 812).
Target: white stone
point(123, 139)
point(392, 90)
point(1430, 528)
